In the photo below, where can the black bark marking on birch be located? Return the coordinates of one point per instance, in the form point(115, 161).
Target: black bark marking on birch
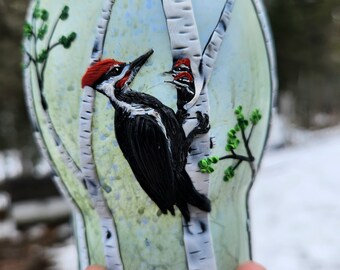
point(224, 25)
point(174, 18)
point(181, 48)
point(209, 55)
point(203, 227)
point(85, 184)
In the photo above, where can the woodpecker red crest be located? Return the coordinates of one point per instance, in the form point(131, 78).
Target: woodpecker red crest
point(184, 76)
point(96, 71)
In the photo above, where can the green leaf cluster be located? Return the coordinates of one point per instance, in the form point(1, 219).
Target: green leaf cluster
point(44, 15)
point(28, 30)
point(64, 13)
point(39, 13)
point(232, 141)
point(205, 164)
point(242, 122)
point(229, 173)
point(67, 41)
point(36, 11)
point(42, 31)
point(255, 117)
point(42, 56)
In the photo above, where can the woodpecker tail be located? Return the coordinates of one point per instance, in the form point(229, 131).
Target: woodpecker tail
point(187, 194)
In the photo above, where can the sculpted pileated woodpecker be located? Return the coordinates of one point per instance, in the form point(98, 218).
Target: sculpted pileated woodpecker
point(184, 83)
point(183, 80)
point(149, 135)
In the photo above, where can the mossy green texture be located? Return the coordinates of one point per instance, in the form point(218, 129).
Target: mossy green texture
point(147, 239)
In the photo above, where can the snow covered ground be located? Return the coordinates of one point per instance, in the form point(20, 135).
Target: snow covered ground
point(64, 257)
point(295, 205)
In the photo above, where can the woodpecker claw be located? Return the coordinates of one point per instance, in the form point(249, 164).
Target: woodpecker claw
point(203, 122)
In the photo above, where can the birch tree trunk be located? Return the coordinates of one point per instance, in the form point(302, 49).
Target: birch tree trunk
point(62, 188)
point(185, 43)
point(88, 166)
point(210, 53)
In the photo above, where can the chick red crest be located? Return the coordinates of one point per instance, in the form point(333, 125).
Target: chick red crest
point(185, 75)
point(182, 61)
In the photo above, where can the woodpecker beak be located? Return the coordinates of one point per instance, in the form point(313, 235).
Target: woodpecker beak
point(170, 72)
point(136, 64)
point(174, 83)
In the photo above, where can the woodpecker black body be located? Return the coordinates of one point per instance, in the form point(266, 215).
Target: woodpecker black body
point(150, 137)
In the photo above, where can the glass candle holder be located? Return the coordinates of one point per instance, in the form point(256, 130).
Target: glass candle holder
point(154, 116)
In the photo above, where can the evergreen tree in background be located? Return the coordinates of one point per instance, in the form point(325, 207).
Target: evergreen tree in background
point(307, 37)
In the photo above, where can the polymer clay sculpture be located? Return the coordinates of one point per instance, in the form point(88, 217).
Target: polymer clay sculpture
point(181, 126)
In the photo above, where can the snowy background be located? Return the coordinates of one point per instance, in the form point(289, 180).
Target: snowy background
point(295, 206)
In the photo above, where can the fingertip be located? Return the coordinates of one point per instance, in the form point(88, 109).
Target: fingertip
point(251, 266)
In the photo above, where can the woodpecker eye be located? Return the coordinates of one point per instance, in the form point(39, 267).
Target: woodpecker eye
point(116, 70)
point(184, 80)
point(182, 68)
point(113, 72)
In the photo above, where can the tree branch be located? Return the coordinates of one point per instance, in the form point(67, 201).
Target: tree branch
point(52, 33)
point(54, 45)
point(30, 57)
point(49, 48)
point(237, 157)
point(246, 145)
point(250, 133)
